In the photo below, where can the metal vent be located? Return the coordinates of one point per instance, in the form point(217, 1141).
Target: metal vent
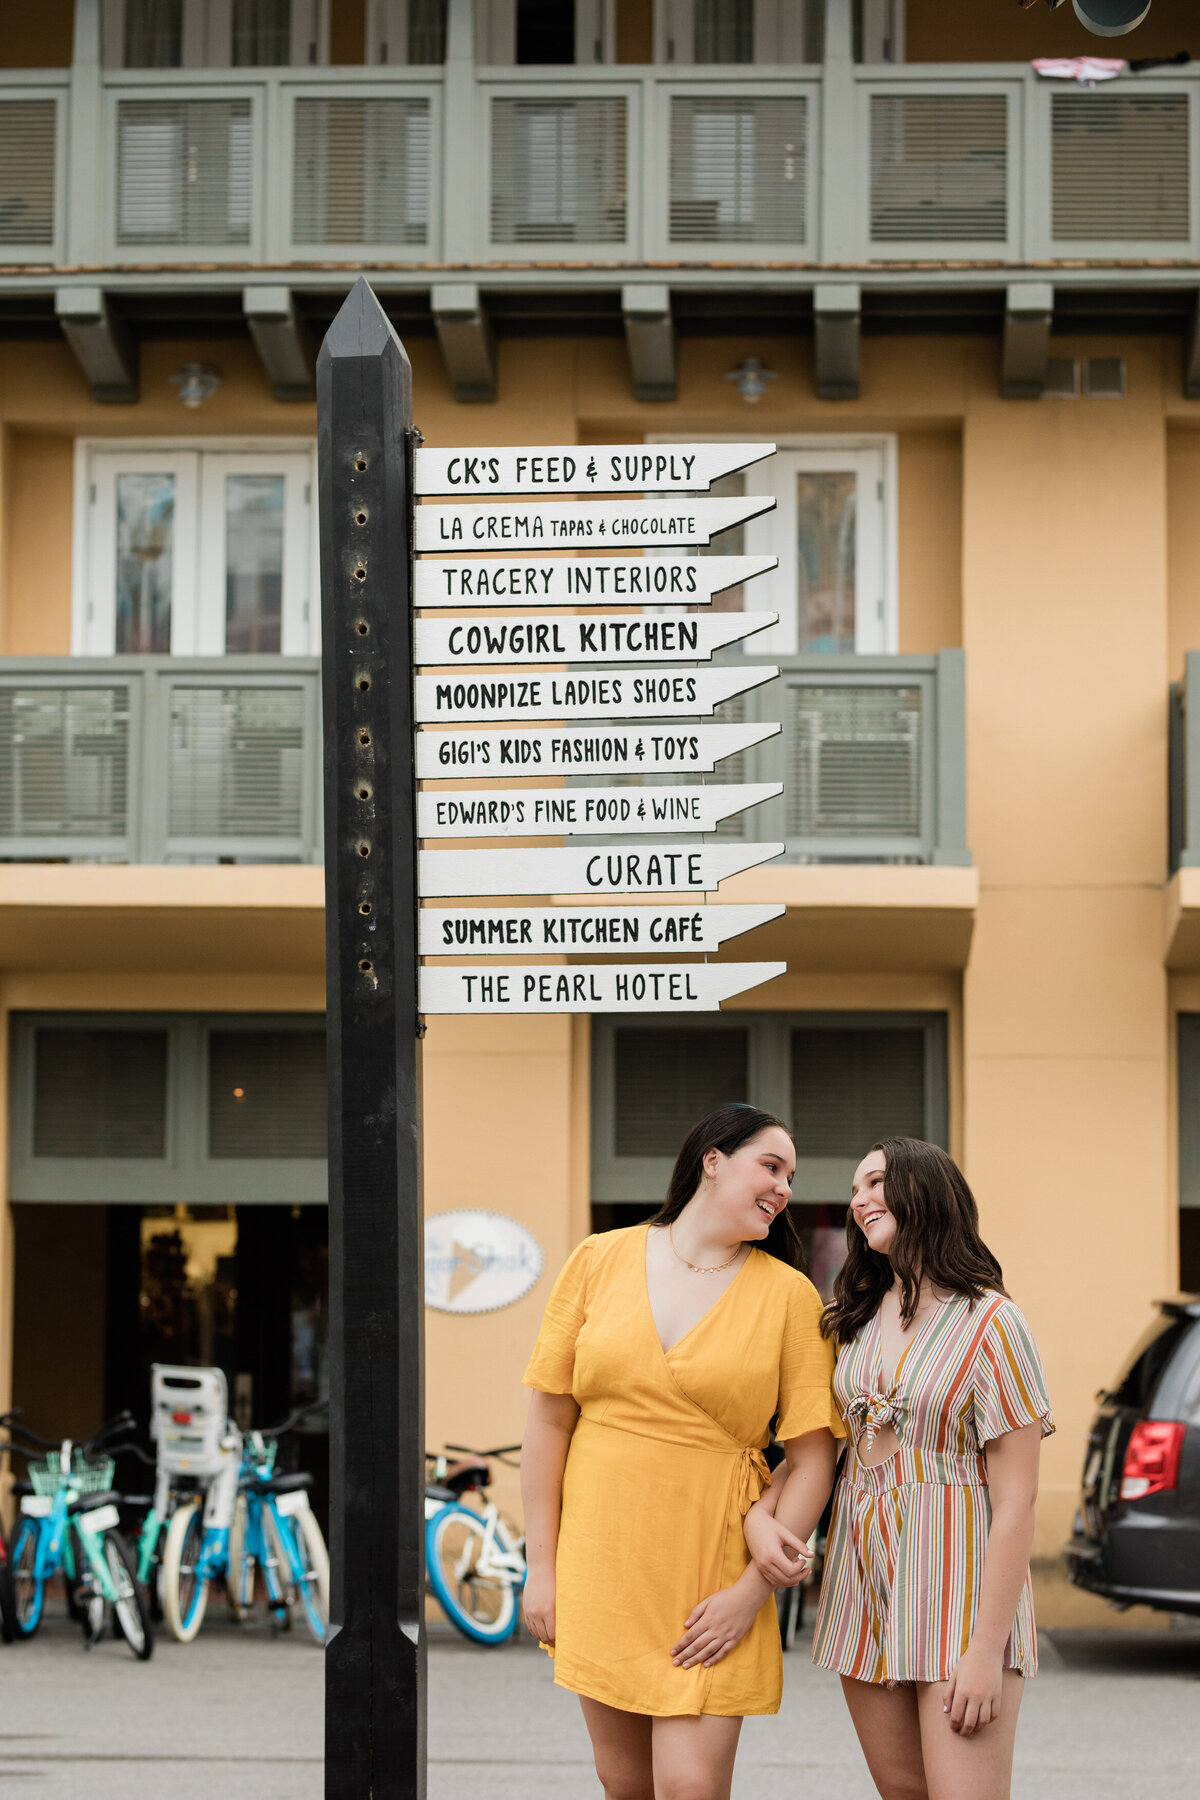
point(185, 171)
point(559, 171)
point(665, 1080)
point(738, 170)
point(266, 1094)
point(939, 168)
point(854, 763)
point(99, 1092)
point(1120, 167)
point(235, 766)
point(851, 1087)
point(64, 766)
point(28, 141)
point(361, 172)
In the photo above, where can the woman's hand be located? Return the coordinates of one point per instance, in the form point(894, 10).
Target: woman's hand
point(781, 1558)
point(537, 1602)
point(973, 1691)
point(713, 1628)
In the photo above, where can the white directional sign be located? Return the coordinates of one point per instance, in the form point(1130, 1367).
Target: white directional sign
point(607, 693)
point(596, 524)
point(551, 812)
point(591, 987)
point(549, 930)
point(581, 468)
point(584, 750)
point(582, 581)
point(605, 637)
point(616, 869)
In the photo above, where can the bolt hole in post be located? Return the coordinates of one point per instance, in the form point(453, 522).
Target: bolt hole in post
point(362, 628)
point(363, 792)
point(364, 738)
point(362, 684)
point(366, 909)
point(360, 518)
point(360, 463)
point(365, 966)
point(360, 574)
point(364, 850)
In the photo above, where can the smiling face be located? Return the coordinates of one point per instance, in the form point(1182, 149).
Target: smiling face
point(753, 1184)
point(867, 1205)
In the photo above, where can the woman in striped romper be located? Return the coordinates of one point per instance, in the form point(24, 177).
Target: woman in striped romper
point(926, 1607)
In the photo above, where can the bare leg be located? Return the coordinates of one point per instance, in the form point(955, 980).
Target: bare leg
point(980, 1765)
point(693, 1757)
point(889, 1729)
point(621, 1749)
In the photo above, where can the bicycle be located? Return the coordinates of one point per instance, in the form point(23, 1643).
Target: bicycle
point(69, 1524)
point(186, 1529)
point(250, 1519)
point(474, 1565)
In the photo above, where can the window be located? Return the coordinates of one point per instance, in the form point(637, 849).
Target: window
point(833, 530)
point(179, 1111)
point(214, 34)
point(1189, 1152)
point(733, 32)
point(842, 1080)
point(202, 553)
point(406, 31)
point(551, 32)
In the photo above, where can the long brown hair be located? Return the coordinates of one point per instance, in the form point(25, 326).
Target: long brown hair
point(937, 1239)
point(726, 1129)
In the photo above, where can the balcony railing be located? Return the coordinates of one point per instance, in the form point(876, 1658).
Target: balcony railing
point(872, 757)
point(477, 167)
point(140, 759)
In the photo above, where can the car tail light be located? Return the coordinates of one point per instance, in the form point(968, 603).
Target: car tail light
point(181, 1418)
point(1152, 1459)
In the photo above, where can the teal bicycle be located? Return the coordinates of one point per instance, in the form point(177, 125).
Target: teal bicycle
point(257, 1523)
point(69, 1525)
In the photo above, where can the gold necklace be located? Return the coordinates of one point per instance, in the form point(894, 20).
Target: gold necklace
point(697, 1268)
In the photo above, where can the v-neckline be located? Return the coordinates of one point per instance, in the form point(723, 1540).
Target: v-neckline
point(707, 1314)
point(936, 1312)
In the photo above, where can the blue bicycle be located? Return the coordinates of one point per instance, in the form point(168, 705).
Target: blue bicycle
point(250, 1521)
point(69, 1525)
point(473, 1563)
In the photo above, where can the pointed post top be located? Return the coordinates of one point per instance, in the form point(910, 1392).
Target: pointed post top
point(360, 328)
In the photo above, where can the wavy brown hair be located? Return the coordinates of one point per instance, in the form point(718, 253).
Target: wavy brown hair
point(726, 1129)
point(937, 1239)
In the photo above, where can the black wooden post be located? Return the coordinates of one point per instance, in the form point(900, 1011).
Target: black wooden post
point(375, 1659)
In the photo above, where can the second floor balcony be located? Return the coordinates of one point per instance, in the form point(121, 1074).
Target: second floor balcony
point(498, 169)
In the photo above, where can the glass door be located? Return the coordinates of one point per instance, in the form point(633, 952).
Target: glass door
point(255, 554)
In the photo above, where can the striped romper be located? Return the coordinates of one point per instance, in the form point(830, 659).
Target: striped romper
point(904, 1562)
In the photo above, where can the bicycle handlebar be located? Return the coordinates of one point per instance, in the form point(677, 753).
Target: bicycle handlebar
point(297, 1418)
point(39, 1443)
point(500, 1450)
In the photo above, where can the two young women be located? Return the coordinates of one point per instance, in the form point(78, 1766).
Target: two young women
point(655, 1536)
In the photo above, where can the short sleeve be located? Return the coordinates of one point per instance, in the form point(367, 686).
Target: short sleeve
point(552, 1366)
point(806, 1401)
point(1010, 1383)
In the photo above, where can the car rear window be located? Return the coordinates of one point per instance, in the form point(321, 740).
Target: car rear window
point(1136, 1384)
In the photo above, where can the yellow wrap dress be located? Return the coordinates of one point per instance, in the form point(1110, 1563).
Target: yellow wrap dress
point(664, 1462)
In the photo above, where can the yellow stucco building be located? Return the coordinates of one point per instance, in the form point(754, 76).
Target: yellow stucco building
point(963, 303)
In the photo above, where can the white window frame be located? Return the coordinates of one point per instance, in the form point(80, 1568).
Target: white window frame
point(874, 460)
point(778, 34)
point(198, 577)
point(207, 39)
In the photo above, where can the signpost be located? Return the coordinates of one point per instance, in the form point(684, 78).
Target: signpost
point(637, 698)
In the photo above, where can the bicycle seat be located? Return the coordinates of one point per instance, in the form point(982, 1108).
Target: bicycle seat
point(21, 1488)
point(285, 1484)
point(89, 1502)
point(435, 1491)
point(464, 1477)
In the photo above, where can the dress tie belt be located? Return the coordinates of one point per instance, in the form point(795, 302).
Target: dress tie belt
point(754, 1476)
point(874, 1411)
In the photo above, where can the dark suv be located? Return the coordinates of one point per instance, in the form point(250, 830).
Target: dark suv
point(1137, 1532)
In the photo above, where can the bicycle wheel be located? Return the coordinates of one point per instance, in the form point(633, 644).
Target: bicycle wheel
point(131, 1611)
point(277, 1570)
point(309, 1552)
point(484, 1607)
point(239, 1568)
point(28, 1587)
point(184, 1590)
point(8, 1626)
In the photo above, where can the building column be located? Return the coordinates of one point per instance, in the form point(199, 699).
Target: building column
point(1065, 997)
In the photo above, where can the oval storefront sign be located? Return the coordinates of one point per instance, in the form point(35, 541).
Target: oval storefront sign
point(477, 1262)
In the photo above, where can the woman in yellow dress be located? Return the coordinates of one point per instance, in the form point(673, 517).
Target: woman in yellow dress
point(665, 1353)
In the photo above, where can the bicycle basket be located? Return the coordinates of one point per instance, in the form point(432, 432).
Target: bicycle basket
point(89, 1474)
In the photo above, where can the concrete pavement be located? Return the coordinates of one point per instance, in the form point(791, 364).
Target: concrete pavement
point(1113, 1716)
